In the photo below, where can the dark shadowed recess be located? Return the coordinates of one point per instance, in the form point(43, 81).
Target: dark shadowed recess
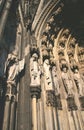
point(73, 18)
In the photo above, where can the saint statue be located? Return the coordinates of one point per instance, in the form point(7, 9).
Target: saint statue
point(67, 81)
point(34, 70)
point(13, 67)
point(47, 74)
point(79, 82)
point(55, 80)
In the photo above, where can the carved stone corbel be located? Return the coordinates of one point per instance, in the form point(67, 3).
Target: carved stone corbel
point(71, 103)
point(53, 100)
point(50, 98)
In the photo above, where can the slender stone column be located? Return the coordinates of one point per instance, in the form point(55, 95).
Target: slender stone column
point(35, 94)
point(76, 123)
point(24, 108)
point(4, 17)
point(9, 114)
point(12, 115)
point(34, 113)
point(6, 115)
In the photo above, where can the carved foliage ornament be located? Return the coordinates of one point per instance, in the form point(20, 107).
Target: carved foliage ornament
point(71, 103)
point(53, 100)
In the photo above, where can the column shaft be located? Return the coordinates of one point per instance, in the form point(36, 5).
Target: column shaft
point(76, 123)
point(12, 116)
point(6, 116)
point(3, 19)
point(34, 114)
point(24, 108)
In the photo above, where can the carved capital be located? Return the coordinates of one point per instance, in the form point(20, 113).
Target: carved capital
point(35, 91)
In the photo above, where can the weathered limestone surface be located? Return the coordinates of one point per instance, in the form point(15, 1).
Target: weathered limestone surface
point(41, 67)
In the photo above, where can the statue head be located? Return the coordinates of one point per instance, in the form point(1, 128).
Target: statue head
point(54, 68)
point(13, 54)
point(35, 56)
point(47, 61)
point(76, 70)
point(13, 57)
point(65, 69)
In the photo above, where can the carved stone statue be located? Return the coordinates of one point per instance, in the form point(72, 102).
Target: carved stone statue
point(55, 80)
point(67, 81)
point(35, 70)
point(47, 74)
point(79, 82)
point(13, 68)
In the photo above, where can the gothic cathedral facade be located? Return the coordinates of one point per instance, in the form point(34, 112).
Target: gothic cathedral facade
point(41, 65)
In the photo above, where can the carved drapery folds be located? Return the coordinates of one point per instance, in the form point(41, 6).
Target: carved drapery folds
point(47, 75)
point(55, 79)
point(49, 66)
point(35, 72)
point(13, 67)
point(51, 85)
point(79, 82)
point(67, 81)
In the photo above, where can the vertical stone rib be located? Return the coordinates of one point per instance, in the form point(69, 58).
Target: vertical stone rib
point(34, 114)
point(12, 116)
point(6, 116)
point(76, 123)
point(4, 17)
point(23, 114)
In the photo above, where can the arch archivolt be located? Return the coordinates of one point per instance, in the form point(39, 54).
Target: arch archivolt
point(59, 41)
point(59, 50)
